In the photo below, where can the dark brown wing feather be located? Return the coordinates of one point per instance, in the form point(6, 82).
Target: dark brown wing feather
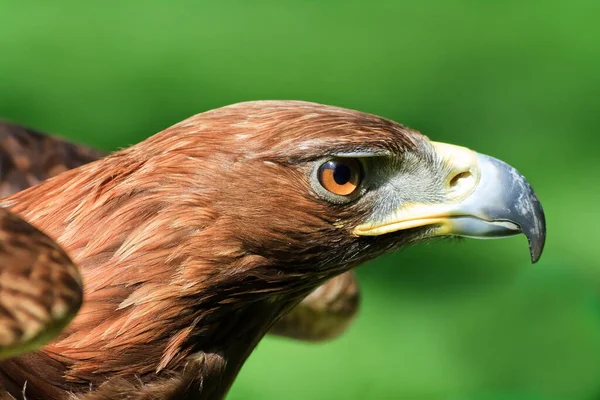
point(324, 314)
point(28, 157)
point(40, 287)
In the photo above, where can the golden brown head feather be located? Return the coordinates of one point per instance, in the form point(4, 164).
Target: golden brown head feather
point(198, 239)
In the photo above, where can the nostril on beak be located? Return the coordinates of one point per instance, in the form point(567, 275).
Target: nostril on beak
point(460, 177)
point(461, 184)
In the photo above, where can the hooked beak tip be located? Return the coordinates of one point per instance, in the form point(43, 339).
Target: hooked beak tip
point(536, 232)
point(521, 205)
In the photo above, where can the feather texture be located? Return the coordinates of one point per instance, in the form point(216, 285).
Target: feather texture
point(192, 244)
point(29, 157)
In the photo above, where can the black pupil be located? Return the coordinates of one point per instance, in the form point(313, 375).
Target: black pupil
point(341, 173)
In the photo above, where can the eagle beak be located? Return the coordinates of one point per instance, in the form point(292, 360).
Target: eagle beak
point(485, 198)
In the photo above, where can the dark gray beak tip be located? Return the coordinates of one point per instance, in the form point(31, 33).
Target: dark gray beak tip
point(536, 232)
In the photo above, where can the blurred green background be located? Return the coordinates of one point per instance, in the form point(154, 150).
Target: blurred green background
point(518, 80)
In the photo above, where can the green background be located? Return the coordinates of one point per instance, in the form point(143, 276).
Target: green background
point(518, 80)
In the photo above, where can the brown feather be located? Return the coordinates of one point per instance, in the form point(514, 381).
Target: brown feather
point(40, 287)
point(325, 313)
point(28, 157)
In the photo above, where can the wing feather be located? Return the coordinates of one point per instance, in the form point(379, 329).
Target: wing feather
point(40, 287)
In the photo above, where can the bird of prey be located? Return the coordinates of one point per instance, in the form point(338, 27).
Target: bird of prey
point(192, 244)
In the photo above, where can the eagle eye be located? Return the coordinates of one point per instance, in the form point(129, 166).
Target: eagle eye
point(341, 176)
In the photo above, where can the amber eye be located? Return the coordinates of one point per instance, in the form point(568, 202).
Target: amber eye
point(340, 176)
